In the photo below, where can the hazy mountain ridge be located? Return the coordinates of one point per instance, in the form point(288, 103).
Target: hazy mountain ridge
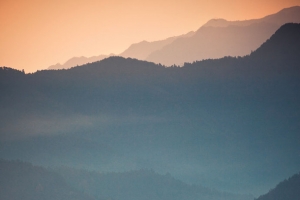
point(198, 122)
point(143, 49)
point(21, 180)
point(75, 61)
point(219, 38)
point(134, 50)
point(214, 42)
point(137, 50)
point(205, 43)
point(284, 16)
point(139, 185)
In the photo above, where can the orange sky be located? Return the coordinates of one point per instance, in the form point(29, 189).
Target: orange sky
point(35, 34)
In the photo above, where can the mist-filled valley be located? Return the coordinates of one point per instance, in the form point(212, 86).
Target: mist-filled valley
point(223, 128)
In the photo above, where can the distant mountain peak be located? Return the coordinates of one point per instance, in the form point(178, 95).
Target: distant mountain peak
point(216, 22)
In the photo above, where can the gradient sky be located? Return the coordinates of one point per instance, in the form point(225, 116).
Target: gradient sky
point(35, 34)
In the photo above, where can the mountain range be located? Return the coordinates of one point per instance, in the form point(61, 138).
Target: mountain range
point(143, 49)
point(140, 184)
point(22, 180)
point(215, 39)
point(219, 38)
point(224, 123)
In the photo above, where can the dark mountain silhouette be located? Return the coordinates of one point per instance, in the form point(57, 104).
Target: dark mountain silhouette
point(140, 185)
point(219, 38)
point(23, 181)
point(282, 46)
point(227, 123)
point(287, 189)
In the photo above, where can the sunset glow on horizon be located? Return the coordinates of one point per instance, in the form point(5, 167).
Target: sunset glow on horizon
point(37, 34)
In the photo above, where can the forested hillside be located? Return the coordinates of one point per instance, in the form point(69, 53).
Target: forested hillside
point(23, 181)
point(140, 185)
point(225, 123)
point(289, 189)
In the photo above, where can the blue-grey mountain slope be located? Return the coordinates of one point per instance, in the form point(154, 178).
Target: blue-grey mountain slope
point(23, 181)
point(140, 185)
point(228, 123)
point(289, 189)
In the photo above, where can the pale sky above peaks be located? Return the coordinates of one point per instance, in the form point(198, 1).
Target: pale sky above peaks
point(35, 34)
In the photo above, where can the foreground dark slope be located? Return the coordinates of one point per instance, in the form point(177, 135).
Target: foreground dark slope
point(226, 123)
point(22, 181)
point(289, 189)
